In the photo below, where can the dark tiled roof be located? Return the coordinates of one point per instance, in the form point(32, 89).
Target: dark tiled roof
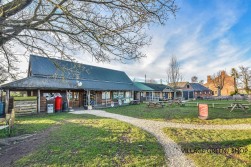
point(199, 87)
point(42, 66)
point(56, 83)
point(48, 73)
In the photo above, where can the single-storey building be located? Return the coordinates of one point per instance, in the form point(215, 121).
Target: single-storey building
point(201, 91)
point(183, 90)
point(78, 84)
point(153, 92)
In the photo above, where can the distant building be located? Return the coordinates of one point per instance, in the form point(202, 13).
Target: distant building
point(183, 90)
point(228, 87)
point(152, 91)
point(200, 91)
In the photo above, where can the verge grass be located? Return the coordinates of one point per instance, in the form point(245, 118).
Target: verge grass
point(221, 148)
point(85, 140)
point(184, 114)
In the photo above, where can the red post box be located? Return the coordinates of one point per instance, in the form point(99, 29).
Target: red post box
point(58, 104)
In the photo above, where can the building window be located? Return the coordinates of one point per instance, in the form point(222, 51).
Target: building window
point(188, 86)
point(107, 95)
point(128, 94)
point(205, 93)
point(73, 95)
point(157, 94)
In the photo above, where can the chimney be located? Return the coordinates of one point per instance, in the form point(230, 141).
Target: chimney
point(209, 79)
point(223, 73)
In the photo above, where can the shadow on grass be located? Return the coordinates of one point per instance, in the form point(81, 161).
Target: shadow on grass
point(35, 123)
point(104, 143)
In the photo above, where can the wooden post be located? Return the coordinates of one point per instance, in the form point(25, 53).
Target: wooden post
point(152, 95)
point(7, 98)
point(89, 97)
point(105, 98)
point(67, 99)
point(38, 101)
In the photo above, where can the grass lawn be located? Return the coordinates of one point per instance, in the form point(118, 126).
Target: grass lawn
point(221, 148)
point(85, 140)
point(184, 114)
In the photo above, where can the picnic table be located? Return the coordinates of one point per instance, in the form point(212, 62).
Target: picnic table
point(134, 102)
point(238, 106)
point(176, 101)
point(155, 104)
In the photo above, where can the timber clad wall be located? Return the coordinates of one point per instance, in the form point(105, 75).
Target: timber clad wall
point(43, 104)
point(25, 107)
point(228, 85)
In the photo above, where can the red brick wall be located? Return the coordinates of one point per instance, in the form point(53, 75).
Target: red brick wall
point(227, 88)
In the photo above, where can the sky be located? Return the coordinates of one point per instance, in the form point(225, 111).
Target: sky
point(205, 36)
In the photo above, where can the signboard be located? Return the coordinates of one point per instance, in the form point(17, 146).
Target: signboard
point(112, 104)
point(203, 111)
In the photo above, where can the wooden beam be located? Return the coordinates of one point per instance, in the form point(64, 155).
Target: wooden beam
point(67, 99)
point(38, 101)
point(7, 98)
point(88, 97)
point(105, 98)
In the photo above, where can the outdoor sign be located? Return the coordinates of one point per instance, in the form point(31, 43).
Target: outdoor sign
point(203, 111)
point(112, 104)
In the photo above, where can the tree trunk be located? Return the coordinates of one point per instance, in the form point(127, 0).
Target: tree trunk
point(219, 92)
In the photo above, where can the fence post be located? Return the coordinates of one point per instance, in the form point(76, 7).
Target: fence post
point(213, 105)
point(38, 101)
point(197, 104)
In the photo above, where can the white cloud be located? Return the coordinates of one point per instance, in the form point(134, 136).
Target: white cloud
point(202, 41)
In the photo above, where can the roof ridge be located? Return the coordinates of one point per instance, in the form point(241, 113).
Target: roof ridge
point(32, 55)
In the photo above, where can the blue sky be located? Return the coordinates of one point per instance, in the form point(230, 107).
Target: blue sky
point(206, 36)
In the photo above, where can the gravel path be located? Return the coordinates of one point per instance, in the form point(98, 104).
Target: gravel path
point(174, 156)
point(173, 153)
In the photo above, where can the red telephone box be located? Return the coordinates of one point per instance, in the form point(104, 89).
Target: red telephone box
point(58, 104)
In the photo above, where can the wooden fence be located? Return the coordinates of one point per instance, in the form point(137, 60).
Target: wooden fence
point(25, 107)
point(212, 105)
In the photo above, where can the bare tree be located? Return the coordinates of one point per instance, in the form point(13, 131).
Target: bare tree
point(201, 82)
point(3, 75)
point(235, 75)
point(107, 30)
point(152, 81)
point(245, 78)
point(219, 80)
point(194, 79)
point(173, 74)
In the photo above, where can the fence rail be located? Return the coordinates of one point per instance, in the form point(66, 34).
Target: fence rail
point(211, 105)
point(25, 107)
